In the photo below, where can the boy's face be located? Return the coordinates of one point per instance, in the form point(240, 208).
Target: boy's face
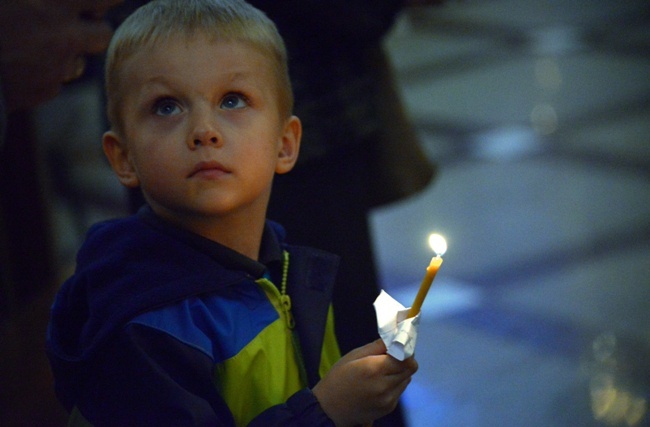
point(203, 135)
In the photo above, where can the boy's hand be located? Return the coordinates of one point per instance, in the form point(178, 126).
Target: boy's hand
point(364, 385)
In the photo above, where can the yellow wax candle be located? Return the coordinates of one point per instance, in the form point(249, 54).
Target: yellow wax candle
point(439, 245)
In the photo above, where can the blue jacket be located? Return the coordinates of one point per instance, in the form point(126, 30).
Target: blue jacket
point(139, 334)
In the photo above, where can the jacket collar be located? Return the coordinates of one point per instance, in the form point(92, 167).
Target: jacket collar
point(270, 249)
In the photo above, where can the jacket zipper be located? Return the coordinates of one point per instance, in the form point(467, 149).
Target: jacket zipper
point(285, 306)
point(281, 293)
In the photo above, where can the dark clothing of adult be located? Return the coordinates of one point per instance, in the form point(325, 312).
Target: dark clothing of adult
point(358, 149)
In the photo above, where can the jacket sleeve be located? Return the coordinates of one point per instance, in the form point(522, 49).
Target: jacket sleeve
point(146, 377)
point(302, 409)
point(143, 376)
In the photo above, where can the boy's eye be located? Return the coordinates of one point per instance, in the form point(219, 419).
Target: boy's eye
point(166, 107)
point(234, 101)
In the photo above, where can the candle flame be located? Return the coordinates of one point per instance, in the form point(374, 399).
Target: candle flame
point(438, 244)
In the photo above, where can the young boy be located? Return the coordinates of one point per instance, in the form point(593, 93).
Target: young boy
point(195, 311)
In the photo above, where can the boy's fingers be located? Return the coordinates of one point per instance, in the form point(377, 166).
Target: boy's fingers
point(379, 345)
point(374, 348)
point(404, 368)
point(402, 386)
point(412, 364)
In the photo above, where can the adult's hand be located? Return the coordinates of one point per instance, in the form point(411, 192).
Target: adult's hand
point(43, 44)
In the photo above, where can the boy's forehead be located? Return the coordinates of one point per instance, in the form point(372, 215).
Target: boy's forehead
point(191, 68)
point(192, 43)
point(236, 59)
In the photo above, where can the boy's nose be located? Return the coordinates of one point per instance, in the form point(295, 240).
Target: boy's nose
point(204, 136)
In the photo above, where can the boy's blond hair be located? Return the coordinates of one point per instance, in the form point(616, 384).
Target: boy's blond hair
point(219, 20)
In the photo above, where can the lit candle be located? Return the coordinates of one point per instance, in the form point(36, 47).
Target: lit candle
point(439, 246)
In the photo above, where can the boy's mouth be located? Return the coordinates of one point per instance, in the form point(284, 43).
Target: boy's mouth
point(208, 169)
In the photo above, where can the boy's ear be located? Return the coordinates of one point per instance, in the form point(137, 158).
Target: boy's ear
point(120, 160)
point(290, 145)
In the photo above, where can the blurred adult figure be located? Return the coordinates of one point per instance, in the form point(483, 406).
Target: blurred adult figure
point(359, 149)
point(43, 45)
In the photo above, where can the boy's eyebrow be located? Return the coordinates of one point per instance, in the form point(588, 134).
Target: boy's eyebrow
point(158, 79)
point(151, 83)
point(237, 74)
point(162, 79)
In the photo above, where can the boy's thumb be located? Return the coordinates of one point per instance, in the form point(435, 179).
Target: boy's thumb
point(378, 346)
point(374, 348)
